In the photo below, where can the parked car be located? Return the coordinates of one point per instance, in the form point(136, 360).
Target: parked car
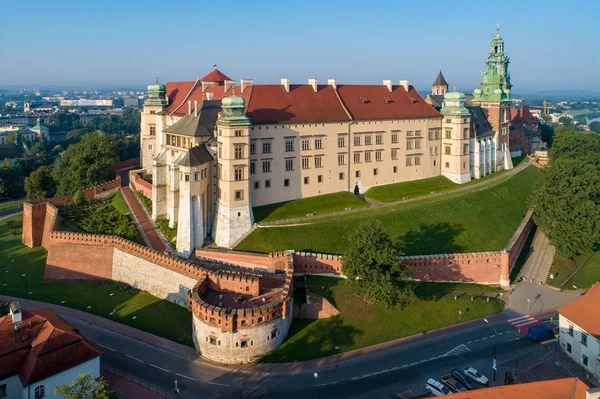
point(454, 385)
point(476, 375)
point(464, 379)
point(437, 388)
point(541, 332)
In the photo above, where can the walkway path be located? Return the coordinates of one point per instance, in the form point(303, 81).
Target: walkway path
point(539, 260)
point(492, 181)
point(148, 228)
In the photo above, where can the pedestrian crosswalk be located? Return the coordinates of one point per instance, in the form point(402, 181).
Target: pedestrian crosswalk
point(524, 322)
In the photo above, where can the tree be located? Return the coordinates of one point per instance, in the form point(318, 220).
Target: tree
point(7, 162)
point(566, 202)
point(78, 198)
point(373, 263)
point(86, 386)
point(85, 164)
point(40, 184)
point(11, 182)
point(547, 133)
point(595, 127)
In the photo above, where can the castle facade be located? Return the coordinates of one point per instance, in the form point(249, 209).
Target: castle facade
point(216, 149)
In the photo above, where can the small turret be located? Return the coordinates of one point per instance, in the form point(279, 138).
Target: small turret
point(156, 94)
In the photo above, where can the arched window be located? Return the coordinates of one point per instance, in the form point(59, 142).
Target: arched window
point(40, 391)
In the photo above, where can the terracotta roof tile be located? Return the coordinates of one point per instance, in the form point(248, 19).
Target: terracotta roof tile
point(566, 388)
point(43, 346)
point(582, 309)
point(215, 76)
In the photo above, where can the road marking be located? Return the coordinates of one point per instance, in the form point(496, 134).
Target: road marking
point(548, 341)
point(518, 318)
point(327, 383)
point(484, 338)
point(477, 340)
point(106, 347)
point(526, 323)
point(500, 333)
point(135, 358)
point(160, 368)
point(185, 376)
point(216, 383)
point(355, 378)
point(492, 336)
point(514, 339)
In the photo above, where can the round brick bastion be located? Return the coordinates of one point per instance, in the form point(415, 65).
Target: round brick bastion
point(239, 325)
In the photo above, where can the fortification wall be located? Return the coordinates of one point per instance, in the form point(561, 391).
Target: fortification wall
point(478, 267)
point(516, 242)
point(127, 164)
point(316, 308)
point(141, 185)
point(273, 261)
point(69, 262)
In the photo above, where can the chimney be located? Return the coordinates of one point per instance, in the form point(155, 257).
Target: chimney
point(404, 83)
point(195, 108)
point(332, 83)
point(593, 393)
point(285, 82)
point(388, 84)
point(313, 83)
point(245, 83)
point(209, 96)
point(15, 313)
point(229, 84)
point(189, 107)
point(206, 85)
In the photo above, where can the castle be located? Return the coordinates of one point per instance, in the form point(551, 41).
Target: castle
point(216, 149)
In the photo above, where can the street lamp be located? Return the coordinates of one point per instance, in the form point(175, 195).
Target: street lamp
point(495, 349)
point(316, 375)
point(495, 332)
point(176, 388)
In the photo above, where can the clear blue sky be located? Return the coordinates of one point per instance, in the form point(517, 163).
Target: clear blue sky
point(553, 44)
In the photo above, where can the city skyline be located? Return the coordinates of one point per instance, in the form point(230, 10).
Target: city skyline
point(123, 45)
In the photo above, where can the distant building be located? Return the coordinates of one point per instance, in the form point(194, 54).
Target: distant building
point(524, 136)
point(16, 120)
point(131, 102)
point(579, 325)
point(86, 103)
point(38, 351)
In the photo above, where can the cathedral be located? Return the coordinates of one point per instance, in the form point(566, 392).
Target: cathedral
point(216, 149)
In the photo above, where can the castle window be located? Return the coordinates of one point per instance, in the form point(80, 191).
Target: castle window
point(252, 167)
point(379, 139)
point(305, 144)
point(341, 142)
point(220, 150)
point(152, 130)
point(252, 148)
point(438, 134)
point(395, 138)
point(318, 144)
point(212, 341)
point(448, 133)
point(447, 150)
point(289, 145)
point(266, 166)
point(368, 140)
point(260, 319)
point(466, 133)
point(464, 165)
point(187, 177)
point(395, 169)
point(448, 120)
point(256, 185)
point(409, 144)
point(239, 133)
point(465, 149)
point(289, 164)
point(239, 195)
point(196, 176)
point(239, 151)
point(357, 157)
point(266, 147)
point(320, 179)
point(409, 133)
point(239, 173)
point(408, 161)
point(305, 163)
point(394, 154)
point(286, 182)
point(368, 156)
point(341, 176)
point(379, 156)
point(318, 162)
point(436, 150)
point(417, 160)
point(244, 344)
point(341, 159)
point(152, 112)
point(40, 391)
point(273, 334)
point(243, 322)
point(268, 183)
point(375, 172)
point(417, 144)
point(430, 135)
point(356, 141)
point(357, 174)
point(306, 180)
point(447, 165)
point(178, 141)
point(418, 133)
point(430, 150)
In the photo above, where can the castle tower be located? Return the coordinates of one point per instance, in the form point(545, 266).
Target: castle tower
point(440, 86)
point(456, 138)
point(151, 125)
point(494, 97)
point(234, 212)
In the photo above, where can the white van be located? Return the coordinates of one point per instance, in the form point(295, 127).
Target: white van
point(437, 388)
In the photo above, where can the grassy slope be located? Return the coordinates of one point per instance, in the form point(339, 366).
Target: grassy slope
point(589, 274)
point(153, 314)
point(11, 204)
point(360, 325)
point(301, 207)
point(482, 220)
point(561, 269)
point(118, 202)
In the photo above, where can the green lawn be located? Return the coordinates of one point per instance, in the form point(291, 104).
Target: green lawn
point(410, 189)
point(359, 324)
point(118, 202)
point(480, 220)
point(11, 204)
point(153, 314)
point(301, 207)
point(589, 274)
point(169, 233)
point(561, 269)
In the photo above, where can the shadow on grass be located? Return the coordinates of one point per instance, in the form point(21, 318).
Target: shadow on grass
point(431, 239)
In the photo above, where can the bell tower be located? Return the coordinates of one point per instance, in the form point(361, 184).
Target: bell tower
point(234, 216)
point(151, 124)
point(456, 136)
point(440, 86)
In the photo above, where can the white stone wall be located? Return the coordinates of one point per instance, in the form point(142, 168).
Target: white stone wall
point(157, 280)
point(92, 366)
point(13, 387)
point(224, 349)
point(231, 224)
point(592, 350)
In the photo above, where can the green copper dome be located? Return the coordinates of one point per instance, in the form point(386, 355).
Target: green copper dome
point(156, 94)
point(233, 101)
point(232, 113)
point(454, 96)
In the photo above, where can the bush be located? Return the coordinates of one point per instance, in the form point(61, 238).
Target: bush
point(78, 198)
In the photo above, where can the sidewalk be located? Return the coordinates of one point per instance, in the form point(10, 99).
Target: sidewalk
point(146, 224)
point(130, 388)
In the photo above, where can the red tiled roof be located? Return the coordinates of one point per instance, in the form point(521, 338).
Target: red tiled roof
point(215, 76)
point(44, 345)
point(566, 388)
point(269, 104)
point(378, 106)
point(583, 310)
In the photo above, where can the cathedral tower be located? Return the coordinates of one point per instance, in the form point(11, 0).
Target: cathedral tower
point(440, 86)
point(456, 138)
point(234, 212)
point(151, 123)
point(494, 97)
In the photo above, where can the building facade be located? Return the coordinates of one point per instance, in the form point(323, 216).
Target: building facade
point(216, 149)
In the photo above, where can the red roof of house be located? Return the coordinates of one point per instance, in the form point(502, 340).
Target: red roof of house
point(43, 346)
point(566, 388)
point(215, 76)
point(270, 104)
point(583, 311)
